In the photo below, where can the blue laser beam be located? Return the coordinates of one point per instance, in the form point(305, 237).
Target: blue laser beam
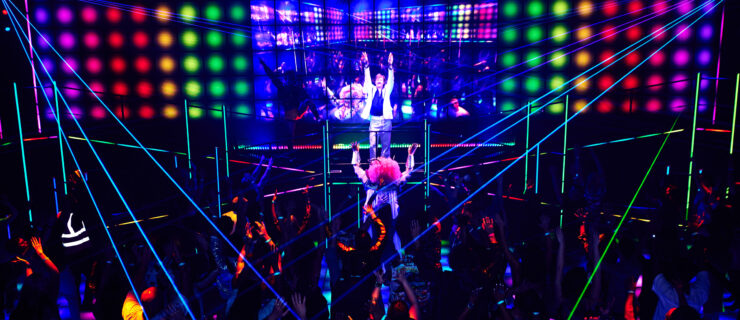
point(87, 187)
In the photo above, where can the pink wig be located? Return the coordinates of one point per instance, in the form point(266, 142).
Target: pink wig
point(383, 171)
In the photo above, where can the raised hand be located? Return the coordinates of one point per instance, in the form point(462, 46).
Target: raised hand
point(364, 57)
point(415, 228)
point(299, 303)
point(355, 146)
point(378, 275)
point(36, 244)
point(413, 147)
point(390, 58)
point(278, 310)
point(487, 225)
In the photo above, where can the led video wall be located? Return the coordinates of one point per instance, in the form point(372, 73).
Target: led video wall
point(452, 58)
point(575, 36)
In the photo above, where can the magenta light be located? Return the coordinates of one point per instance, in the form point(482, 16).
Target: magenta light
point(71, 63)
point(89, 14)
point(97, 86)
point(677, 84)
point(706, 31)
point(654, 81)
point(704, 57)
point(94, 65)
point(67, 40)
point(71, 90)
point(65, 15)
point(42, 16)
point(97, 112)
point(658, 59)
point(684, 7)
point(653, 105)
point(50, 113)
point(91, 40)
point(704, 84)
point(658, 32)
point(677, 104)
point(681, 57)
point(76, 112)
point(683, 32)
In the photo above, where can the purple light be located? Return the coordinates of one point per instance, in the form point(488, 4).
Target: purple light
point(71, 90)
point(684, 7)
point(706, 31)
point(76, 111)
point(50, 112)
point(680, 85)
point(42, 16)
point(681, 57)
point(704, 57)
point(683, 32)
point(65, 15)
point(49, 88)
point(49, 64)
point(71, 62)
point(66, 40)
point(704, 84)
point(678, 104)
point(42, 43)
point(703, 104)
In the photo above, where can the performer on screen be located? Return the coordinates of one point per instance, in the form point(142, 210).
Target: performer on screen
point(378, 108)
point(382, 180)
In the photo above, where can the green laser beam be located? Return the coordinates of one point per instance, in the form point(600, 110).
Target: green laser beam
point(693, 139)
point(734, 115)
point(621, 221)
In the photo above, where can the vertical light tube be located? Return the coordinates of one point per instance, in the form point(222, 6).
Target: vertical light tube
point(59, 134)
point(23, 154)
point(526, 147)
point(33, 67)
point(226, 140)
point(187, 137)
point(734, 115)
point(56, 198)
point(693, 139)
point(565, 150)
point(537, 172)
point(716, 80)
point(218, 184)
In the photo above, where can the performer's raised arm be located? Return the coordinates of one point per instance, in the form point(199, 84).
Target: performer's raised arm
point(356, 162)
point(409, 163)
point(274, 77)
point(367, 85)
point(391, 77)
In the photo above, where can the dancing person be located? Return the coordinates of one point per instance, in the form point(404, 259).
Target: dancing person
point(382, 180)
point(291, 94)
point(378, 107)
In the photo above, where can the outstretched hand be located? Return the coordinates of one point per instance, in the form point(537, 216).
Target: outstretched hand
point(278, 310)
point(355, 146)
point(413, 147)
point(36, 244)
point(299, 303)
point(487, 225)
point(390, 58)
point(364, 57)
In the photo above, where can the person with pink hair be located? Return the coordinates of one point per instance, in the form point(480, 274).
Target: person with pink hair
point(382, 180)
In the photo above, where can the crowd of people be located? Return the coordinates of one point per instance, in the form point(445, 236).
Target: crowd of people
point(507, 259)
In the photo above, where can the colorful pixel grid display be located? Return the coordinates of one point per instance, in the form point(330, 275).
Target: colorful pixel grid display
point(664, 84)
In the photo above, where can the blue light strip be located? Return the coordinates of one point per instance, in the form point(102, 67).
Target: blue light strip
point(537, 144)
point(120, 195)
point(87, 187)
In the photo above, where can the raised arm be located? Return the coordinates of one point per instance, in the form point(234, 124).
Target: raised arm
point(36, 243)
point(409, 162)
point(414, 311)
point(356, 162)
point(366, 66)
point(391, 77)
point(264, 175)
point(273, 76)
point(560, 264)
